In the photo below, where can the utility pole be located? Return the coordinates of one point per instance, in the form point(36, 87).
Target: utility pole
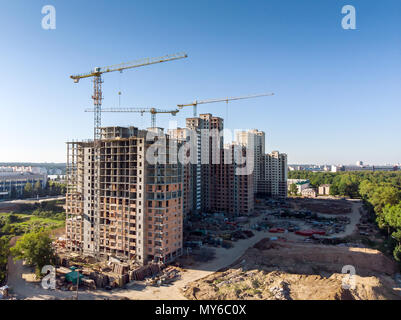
point(76, 298)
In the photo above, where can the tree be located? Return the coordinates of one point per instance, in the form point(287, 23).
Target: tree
point(4, 253)
point(38, 188)
point(28, 190)
point(36, 248)
point(383, 195)
point(293, 189)
point(392, 216)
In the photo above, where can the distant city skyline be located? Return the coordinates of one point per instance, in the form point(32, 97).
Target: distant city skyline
point(336, 91)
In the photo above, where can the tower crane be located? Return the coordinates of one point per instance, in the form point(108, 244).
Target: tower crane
point(97, 73)
point(152, 111)
point(97, 97)
point(196, 102)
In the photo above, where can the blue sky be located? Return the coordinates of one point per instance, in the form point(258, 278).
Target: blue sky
point(337, 91)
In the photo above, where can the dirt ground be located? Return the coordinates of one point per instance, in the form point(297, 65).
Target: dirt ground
point(323, 205)
point(136, 290)
point(295, 271)
point(196, 275)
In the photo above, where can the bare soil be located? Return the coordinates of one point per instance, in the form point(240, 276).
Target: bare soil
point(295, 271)
point(328, 206)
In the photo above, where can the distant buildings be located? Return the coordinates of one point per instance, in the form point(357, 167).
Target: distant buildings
point(309, 193)
point(14, 179)
point(270, 170)
point(307, 167)
point(301, 184)
point(360, 166)
point(324, 190)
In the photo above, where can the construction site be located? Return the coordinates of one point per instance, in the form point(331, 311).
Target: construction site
point(125, 214)
point(152, 227)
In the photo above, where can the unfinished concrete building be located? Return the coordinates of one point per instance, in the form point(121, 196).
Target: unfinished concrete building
point(222, 190)
point(231, 192)
point(141, 203)
point(206, 126)
point(191, 185)
point(256, 139)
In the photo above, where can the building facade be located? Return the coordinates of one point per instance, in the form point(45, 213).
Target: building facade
point(256, 139)
point(301, 184)
point(324, 189)
point(141, 202)
point(274, 175)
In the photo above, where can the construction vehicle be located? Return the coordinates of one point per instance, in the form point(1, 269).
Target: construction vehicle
point(196, 102)
point(97, 97)
point(152, 111)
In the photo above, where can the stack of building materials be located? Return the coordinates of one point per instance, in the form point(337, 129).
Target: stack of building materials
point(101, 280)
point(120, 268)
point(141, 273)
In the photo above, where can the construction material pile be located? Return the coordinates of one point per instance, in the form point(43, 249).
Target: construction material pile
point(215, 229)
point(169, 275)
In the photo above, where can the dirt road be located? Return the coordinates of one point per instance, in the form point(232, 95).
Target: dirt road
point(8, 206)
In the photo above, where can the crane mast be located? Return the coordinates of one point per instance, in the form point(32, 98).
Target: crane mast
point(97, 97)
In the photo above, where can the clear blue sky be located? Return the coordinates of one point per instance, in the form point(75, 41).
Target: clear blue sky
point(337, 91)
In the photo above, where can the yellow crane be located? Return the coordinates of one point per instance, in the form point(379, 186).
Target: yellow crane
point(152, 111)
point(196, 102)
point(97, 97)
point(97, 73)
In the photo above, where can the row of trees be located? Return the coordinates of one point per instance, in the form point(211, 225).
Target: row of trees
point(53, 188)
point(380, 191)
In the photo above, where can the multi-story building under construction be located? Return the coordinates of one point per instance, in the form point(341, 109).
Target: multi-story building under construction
point(141, 201)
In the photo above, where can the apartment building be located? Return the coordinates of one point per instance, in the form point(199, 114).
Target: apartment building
point(257, 140)
point(231, 191)
point(210, 182)
point(274, 175)
point(210, 141)
point(140, 202)
point(191, 187)
point(270, 170)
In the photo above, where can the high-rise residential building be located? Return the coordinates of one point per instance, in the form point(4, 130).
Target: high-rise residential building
point(191, 194)
point(222, 189)
point(141, 200)
point(270, 170)
point(257, 140)
point(210, 140)
point(275, 175)
point(231, 190)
